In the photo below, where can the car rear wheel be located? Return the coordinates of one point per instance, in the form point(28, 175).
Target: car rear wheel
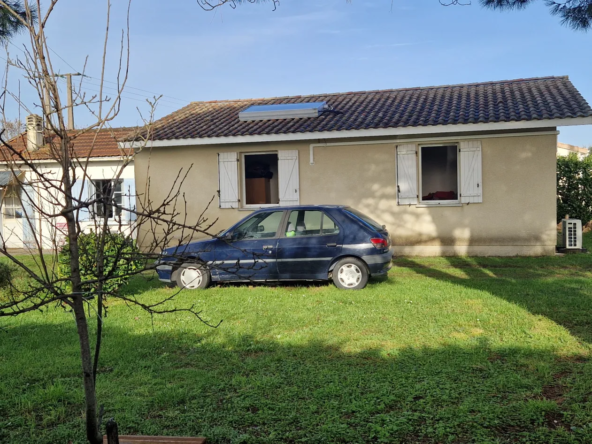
point(350, 274)
point(192, 277)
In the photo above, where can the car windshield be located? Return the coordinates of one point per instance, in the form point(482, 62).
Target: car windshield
point(365, 218)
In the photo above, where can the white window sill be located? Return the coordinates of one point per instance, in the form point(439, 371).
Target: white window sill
point(436, 205)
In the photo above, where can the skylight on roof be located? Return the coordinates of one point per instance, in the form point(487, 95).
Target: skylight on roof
point(282, 111)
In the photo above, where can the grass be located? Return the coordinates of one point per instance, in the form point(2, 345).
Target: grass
point(448, 350)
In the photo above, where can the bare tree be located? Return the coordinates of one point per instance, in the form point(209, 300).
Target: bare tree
point(12, 128)
point(50, 168)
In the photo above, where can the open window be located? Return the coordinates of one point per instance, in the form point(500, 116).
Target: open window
point(439, 174)
point(109, 198)
point(261, 184)
point(266, 179)
point(445, 174)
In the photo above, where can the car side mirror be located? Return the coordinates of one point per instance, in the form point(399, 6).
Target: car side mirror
point(260, 228)
point(227, 236)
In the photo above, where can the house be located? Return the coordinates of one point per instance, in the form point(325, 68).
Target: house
point(564, 150)
point(450, 170)
point(21, 225)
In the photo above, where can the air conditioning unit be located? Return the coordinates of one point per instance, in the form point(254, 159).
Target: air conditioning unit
point(572, 234)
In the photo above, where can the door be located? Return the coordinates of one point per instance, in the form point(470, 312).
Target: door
point(310, 242)
point(249, 252)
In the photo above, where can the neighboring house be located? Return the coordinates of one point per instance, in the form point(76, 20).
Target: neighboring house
point(450, 170)
point(564, 150)
point(105, 160)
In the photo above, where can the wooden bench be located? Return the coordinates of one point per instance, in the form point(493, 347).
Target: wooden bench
point(123, 439)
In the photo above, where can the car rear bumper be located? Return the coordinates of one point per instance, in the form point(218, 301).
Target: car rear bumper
point(379, 264)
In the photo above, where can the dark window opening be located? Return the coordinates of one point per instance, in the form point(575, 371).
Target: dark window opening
point(108, 195)
point(261, 179)
point(439, 173)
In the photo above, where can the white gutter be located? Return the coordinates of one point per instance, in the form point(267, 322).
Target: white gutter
point(83, 160)
point(382, 132)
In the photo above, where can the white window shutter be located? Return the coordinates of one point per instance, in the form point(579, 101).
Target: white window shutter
point(471, 186)
point(289, 183)
point(407, 174)
point(228, 180)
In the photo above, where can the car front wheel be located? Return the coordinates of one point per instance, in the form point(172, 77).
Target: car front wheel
point(350, 274)
point(192, 277)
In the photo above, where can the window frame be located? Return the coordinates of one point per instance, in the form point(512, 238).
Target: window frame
point(120, 193)
point(16, 203)
point(243, 180)
point(435, 203)
point(324, 214)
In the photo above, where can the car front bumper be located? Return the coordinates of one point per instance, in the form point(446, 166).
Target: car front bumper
point(165, 272)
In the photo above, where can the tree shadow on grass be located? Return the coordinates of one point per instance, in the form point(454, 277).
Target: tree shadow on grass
point(560, 291)
point(244, 389)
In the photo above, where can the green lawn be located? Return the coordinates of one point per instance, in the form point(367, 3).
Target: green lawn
point(449, 350)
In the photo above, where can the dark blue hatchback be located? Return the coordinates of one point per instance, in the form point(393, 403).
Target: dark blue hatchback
point(285, 244)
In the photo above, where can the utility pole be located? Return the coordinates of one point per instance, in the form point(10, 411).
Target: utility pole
point(70, 102)
point(47, 104)
point(70, 99)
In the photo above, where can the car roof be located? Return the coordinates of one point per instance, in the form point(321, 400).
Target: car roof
point(301, 207)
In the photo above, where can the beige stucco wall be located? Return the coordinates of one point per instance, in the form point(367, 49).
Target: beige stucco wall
point(517, 216)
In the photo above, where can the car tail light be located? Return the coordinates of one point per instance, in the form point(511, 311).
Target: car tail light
point(379, 243)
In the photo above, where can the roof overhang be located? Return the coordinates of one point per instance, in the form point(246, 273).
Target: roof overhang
point(381, 132)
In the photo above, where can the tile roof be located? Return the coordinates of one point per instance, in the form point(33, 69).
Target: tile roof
point(93, 143)
point(502, 101)
point(575, 149)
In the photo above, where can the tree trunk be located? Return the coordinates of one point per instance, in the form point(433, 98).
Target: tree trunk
point(92, 427)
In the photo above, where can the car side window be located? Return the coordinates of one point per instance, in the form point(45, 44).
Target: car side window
point(260, 226)
point(309, 223)
point(329, 227)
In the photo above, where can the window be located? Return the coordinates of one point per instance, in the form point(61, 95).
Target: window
point(439, 173)
point(12, 206)
point(260, 172)
point(310, 223)
point(282, 111)
point(259, 180)
point(108, 194)
point(366, 219)
point(447, 174)
point(260, 226)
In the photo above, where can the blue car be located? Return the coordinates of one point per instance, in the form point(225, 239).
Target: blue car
point(285, 244)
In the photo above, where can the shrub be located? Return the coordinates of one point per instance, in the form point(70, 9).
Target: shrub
point(574, 188)
point(120, 259)
point(5, 275)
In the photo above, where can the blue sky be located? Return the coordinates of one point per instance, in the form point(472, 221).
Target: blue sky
point(307, 47)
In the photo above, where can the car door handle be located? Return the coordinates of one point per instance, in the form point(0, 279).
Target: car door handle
point(332, 245)
point(268, 247)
